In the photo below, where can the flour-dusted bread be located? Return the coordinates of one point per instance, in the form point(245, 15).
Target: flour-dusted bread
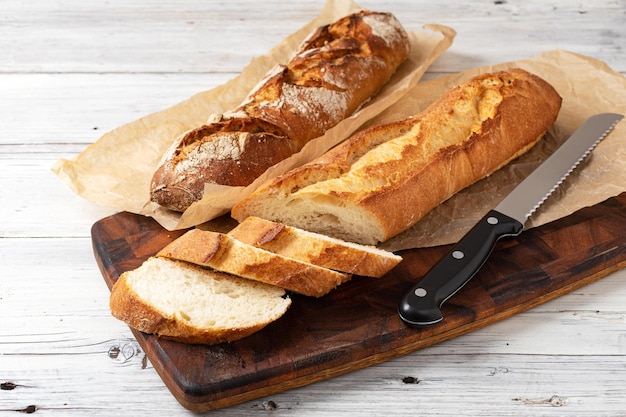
point(227, 254)
point(335, 70)
point(384, 179)
point(315, 248)
point(191, 304)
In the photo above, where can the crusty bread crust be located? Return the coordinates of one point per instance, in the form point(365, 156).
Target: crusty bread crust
point(384, 179)
point(130, 307)
point(227, 254)
point(215, 151)
point(335, 70)
point(314, 248)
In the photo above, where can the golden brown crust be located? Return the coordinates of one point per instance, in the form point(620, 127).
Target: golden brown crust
point(257, 232)
point(227, 254)
point(399, 184)
point(337, 69)
point(518, 124)
point(317, 250)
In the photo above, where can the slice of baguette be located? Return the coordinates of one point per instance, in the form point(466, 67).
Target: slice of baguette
point(227, 254)
point(386, 178)
point(315, 248)
point(191, 304)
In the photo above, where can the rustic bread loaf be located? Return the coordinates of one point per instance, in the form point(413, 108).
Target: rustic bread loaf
point(336, 69)
point(191, 304)
point(227, 254)
point(386, 178)
point(315, 248)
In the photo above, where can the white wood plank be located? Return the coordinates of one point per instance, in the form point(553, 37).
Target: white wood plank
point(93, 104)
point(36, 204)
point(461, 385)
point(150, 36)
point(143, 36)
point(70, 71)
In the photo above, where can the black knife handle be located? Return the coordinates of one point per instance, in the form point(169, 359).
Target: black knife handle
point(421, 305)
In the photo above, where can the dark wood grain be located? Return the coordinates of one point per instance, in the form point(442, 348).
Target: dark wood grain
point(357, 324)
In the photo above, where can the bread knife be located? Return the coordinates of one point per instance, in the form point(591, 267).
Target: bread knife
point(421, 306)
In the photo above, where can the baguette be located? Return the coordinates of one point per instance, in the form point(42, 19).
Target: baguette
point(315, 248)
point(384, 179)
point(227, 254)
point(190, 304)
point(335, 70)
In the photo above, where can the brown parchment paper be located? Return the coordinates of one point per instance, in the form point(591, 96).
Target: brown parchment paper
point(117, 169)
point(588, 87)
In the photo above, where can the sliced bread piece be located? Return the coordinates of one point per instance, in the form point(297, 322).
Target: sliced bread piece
point(227, 254)
point(315, 248)
point(191, 304)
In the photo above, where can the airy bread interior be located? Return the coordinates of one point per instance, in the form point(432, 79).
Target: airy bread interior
point(190, 303)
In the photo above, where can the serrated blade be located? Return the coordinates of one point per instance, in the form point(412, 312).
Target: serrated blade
point(522, 202)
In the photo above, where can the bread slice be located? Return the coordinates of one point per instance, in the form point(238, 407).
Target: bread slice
point(315, 248)
point(191, 304)
point(227, 254)
point(386, 178)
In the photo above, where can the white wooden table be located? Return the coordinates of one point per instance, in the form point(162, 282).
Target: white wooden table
point(71, 71)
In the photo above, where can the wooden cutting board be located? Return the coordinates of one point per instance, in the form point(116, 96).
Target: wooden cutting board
point(357, 325)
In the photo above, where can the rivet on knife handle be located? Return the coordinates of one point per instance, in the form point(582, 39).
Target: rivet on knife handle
point(421, 305)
